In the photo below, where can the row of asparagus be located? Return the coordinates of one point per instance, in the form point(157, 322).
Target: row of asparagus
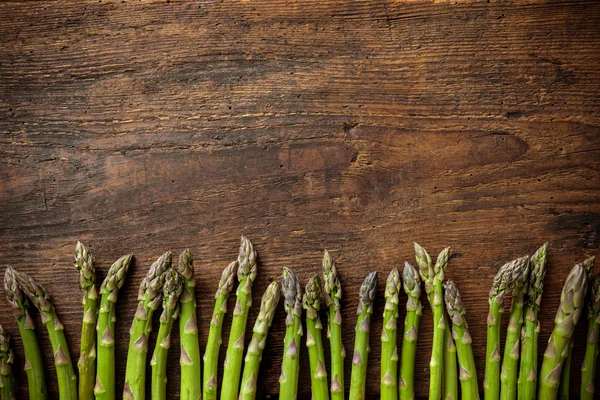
point(510, 375)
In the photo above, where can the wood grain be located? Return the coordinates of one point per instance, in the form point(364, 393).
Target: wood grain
point(356, 126)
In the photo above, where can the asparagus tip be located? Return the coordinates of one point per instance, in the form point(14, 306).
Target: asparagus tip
point(186, 265)
point(312, 293)
point(227, 279)
point(246, 260)
point(331, 282)
point(268, 305)
point(115, 278)
point(85, 264)
point(172, 288)
point(292, 291)
point(367, 293)
point(423, 262)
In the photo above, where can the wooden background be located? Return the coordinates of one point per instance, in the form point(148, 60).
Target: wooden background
point(356, 126)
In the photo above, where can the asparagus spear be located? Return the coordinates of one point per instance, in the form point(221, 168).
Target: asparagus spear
point(268, 305)
point(87, 358)
point(588, 368)
point(565, 379)
point(450, 368)
point(67, 380)
point(360, 357)
point(510, 363)
point(433, 276)
point(314, 343)
point(567, 316)
point(172, 289)
point(235, 349)
point(34, 367)
point(412, 288)
point(529, 333)
point(6, 361)
point(389, 350)
point(211, 355)
point(105, 330)
point(189, 361)
point(462, 339)
point(149, 298)
point(504, 281)
point(290, 366)
point(333, 295)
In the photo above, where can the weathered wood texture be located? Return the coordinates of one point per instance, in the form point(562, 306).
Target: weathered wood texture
point(356, 126)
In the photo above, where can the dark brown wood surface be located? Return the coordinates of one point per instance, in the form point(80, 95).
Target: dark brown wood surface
point(356, 126)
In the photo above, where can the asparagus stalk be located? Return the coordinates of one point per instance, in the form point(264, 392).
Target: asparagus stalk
point(87, 354)
point(211, 355)
point(389, 350)
point(235, 349)
point(567, 316)
point(412, 288)
point(6, 361)
point(565, 376)
point(588, 368)
point(67, 380)
point(333, 295)
point(360, 357)
point(150, 296)
point(314, 343)
point(290, 366)
point(565, 379)
point(268, 305)
point(34, 367)
point(462, 339)
point(510, 363)
point(105, 330)
point(450, 365)
point(527, 389)
point(172, 289)
point(433, 276)
point(189, 360)
point(504, 281)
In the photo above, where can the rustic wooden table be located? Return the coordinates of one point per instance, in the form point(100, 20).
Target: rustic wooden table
point(356, 126)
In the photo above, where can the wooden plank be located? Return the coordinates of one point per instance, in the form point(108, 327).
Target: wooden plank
point(354, 126)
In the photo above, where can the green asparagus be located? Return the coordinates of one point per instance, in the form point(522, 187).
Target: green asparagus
point(588, 368)
point(389, 350)
point(237, 334)
point(67, 380)
point(314, 342)
point(504, 282)
point(510, 363)
point(172, 289)
point(565, 377)
point(567, 316)
point(462, 339)
point(87, 354)
point(105, 330)
point(6, 362)
point(150, 296)
point(189, 360)
point(290, 366)
point(333, 295)
point(412, 288)
point(433, 276)
point(367, 293)
point(527, 389)
point(34, 366)
point(211, 355)
point(259, 339)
